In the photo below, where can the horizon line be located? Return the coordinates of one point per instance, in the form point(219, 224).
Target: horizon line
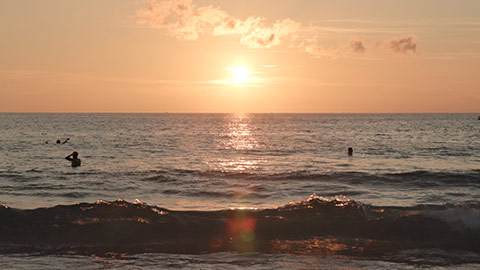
point(166, 112)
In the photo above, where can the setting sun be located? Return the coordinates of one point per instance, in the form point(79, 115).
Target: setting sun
point(240, 75)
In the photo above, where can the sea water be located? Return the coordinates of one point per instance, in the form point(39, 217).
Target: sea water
point(240, 191)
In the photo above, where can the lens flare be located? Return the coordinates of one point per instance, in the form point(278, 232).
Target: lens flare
point(241, 228)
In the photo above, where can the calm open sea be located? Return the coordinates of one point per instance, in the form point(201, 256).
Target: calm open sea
point(226, 191)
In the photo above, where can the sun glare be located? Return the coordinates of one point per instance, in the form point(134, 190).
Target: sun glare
point(240, 75)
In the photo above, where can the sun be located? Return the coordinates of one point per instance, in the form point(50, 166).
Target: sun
point(240, 75)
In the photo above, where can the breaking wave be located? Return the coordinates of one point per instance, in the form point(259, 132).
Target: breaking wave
point(316, 226)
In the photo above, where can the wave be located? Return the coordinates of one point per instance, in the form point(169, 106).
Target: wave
point(415, 178)
point(318, 226)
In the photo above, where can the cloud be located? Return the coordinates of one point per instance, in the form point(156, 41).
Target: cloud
point(317, 50)
point(185, 20)
point(182, 19)
point(267, 37)
point(354, 46)
point(357, 45)
point(402, 45)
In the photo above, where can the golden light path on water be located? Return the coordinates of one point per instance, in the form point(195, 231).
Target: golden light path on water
point(238, 136)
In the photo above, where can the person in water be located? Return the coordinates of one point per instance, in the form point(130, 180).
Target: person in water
point(350, 151)
point(73, 157)
point(59, 142)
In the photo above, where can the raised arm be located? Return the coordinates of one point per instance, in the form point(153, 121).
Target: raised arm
point(66, 141)
point(69, 157)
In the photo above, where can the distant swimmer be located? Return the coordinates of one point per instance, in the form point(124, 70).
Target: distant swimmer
point(350, 151)
point(59, 142)
point(73, 157)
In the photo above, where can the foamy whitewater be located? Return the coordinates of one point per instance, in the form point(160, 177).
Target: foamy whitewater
point(236, 191)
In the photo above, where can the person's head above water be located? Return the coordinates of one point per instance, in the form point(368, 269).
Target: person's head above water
point(75, 154)
point(58, 141)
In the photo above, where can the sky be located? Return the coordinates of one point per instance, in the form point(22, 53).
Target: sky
point(252, 56)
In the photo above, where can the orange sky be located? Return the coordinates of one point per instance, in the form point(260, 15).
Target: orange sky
point(180, 56)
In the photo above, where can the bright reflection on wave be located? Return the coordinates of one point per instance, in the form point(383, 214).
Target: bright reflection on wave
point(238, 165)
point(239, 134)
point(237, 141)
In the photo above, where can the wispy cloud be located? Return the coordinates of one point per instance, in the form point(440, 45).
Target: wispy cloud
point(314, 48)
point(402, 45)
point(185, 20)
point(357, 46)
point(267, 37)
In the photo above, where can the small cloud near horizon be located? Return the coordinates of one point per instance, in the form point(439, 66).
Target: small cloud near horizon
point(402, 45)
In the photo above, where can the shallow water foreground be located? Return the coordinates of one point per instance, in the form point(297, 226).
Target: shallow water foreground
point(223, 260)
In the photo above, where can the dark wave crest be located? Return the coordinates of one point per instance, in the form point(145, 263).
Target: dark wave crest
point(454, 178)
point(315, 226)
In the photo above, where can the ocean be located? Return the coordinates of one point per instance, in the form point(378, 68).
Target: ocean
point(236, 191)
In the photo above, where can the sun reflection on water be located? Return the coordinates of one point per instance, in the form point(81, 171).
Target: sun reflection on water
point(238, 165)
point(238, 132)
point(237, 162)
point(239, 143)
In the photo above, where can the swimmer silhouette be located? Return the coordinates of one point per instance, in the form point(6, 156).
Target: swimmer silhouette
point(73, 157)
point(58, 141)
point(350, 151)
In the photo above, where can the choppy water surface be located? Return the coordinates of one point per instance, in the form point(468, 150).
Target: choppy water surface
point(416, 176)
